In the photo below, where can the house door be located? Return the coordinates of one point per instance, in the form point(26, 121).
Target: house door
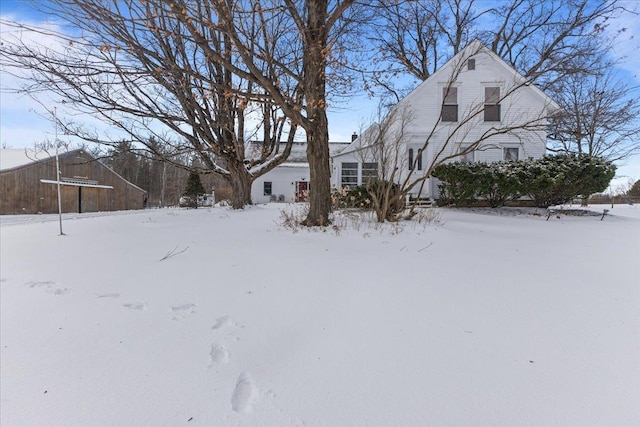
point(302, 191)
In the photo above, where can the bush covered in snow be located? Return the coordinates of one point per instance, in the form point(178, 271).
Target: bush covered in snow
point(555, 180)
point(458, 185)
point(548, 181)
point(463, 183)
point(498, 183)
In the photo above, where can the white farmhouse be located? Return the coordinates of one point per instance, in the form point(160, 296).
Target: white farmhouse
point(289, 181)
point(476, 108)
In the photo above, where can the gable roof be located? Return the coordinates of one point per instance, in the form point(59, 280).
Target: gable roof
point(452, 65)
point(473, 48)
point(11, 158)
point(298, 153)
point(365, 139)
point(15, 158)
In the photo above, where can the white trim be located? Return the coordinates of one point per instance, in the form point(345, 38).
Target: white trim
point(75, 184)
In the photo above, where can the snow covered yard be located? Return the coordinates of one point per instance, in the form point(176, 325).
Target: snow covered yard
point(475, 319)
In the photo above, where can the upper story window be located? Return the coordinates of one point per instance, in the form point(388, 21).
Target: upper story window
point(491, 104)
point(450, 104)
point(471, 64)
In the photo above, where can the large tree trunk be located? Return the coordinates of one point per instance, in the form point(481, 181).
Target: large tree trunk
point(315, 64)
point(320, 176)
point(240, 181)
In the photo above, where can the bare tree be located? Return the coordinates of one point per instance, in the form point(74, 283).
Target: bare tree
point(599, 117)
point(417, 38)
point(546, 40)
point(542, 39)
point(310, 32)
point(383, 145)
point(133, 65)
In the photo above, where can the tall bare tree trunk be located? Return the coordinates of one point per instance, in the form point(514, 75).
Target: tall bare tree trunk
point(315, 65)
point(320, 176)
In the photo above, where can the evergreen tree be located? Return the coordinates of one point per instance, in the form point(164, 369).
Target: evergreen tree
point(194, 186)
point(193, 189)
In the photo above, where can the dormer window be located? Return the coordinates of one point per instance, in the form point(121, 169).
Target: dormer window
point(491, 104)
point(471, 64)
point(450, 104)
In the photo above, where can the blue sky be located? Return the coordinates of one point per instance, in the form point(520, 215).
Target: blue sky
point(23, 120)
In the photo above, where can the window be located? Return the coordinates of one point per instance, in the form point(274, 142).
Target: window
point(471, 64)
point(418, 160)
point(369, 172)
point(491, 104)
point(267, 188)
point(510, 153)
point(467, 157)
point(349, 175)
point(450, 104)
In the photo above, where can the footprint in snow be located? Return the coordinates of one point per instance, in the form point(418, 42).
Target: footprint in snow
point(222, 322)
point(245, 395)
point(135, 306)
point(40, 284)
point(219, 354)
point(182, 311)
point(232, 337)
point(48, 285)
point(112, 295)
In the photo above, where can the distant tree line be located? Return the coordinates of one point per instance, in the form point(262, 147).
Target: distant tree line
point(163, 181)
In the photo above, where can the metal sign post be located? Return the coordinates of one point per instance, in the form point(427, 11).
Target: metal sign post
point(55, 117)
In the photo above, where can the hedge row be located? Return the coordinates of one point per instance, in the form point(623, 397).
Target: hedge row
point(551, 180)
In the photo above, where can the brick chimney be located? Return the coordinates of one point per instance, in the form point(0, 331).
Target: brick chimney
point(354, 137)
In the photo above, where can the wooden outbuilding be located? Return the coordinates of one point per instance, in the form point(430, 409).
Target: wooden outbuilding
point(28, 184)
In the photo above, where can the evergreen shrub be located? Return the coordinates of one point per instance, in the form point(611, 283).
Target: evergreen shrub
point(551, 180)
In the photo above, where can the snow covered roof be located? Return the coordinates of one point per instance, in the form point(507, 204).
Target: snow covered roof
point(14, 157)
point(294, 165)
point(298, 150)
point(367, 138)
